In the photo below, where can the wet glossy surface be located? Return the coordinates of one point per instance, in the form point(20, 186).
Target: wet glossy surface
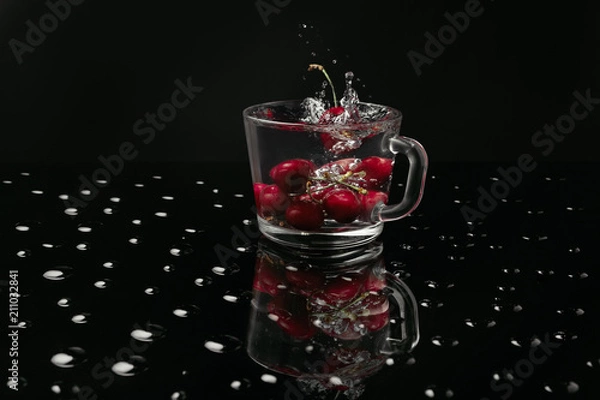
point(146, 292)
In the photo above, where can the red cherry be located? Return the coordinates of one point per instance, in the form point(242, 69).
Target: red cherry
point(317, 192)
point(267, 278)
point(343, 205)
point(329, 116)
point(369, 201)
point(258, 187)
point(291, 175)
point(378, 171)
point(305, 215)
point(272, 201)
point(305, 280)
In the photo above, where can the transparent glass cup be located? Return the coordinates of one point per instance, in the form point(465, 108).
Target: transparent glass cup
point(324, 185)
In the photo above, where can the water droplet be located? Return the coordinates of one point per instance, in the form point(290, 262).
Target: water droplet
point(69, 357)
point(64, 302)
point(444, 342)
point(115, 199)
point(223, 344)
point(58, 273)
point(136, 221)
point(110, 264)
point(199, 182)
point(186, 311)
point(180, 395)
point(225, 270)
point(182, 249)
point(82, 318)
point(569, 387)
point(203, 281)
point(134, 365)
point(168, 198)
point(71, 211)
point(23, 253)
point(149, 333)
point(109, 211)
point(38, 192)
point(102, 284)
point(21, 227)
point(268, 378)
point(135, 240)
point(161, 214)
point(151, 291)
point(428, 303)
point(82, 246)
point(169, 268)
point(240, 384)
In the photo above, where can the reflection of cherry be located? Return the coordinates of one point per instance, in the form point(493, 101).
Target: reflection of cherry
point(342, 288)
point(291, 175)
point(267, 278)
point(304, 279)
point(289, 311)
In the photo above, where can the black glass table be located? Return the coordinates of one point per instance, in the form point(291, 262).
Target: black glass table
point(149, 285)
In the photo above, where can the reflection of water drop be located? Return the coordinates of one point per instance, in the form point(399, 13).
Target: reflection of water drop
point(58, 273)
point(134, 365)
point(69, 358)
point(225, 270)
point(223, 344)
point(149, 333)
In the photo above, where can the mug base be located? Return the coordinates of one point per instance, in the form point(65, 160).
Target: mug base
point(328, 240)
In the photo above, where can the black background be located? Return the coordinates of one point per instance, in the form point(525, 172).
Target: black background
point(77, 96)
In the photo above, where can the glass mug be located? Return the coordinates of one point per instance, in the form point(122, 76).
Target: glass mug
point(328, 321)
point(327, 186)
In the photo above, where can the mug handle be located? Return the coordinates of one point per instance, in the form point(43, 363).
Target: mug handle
point(415, 183)
point(404, 334)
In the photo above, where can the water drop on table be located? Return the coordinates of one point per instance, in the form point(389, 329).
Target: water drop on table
point(242, 384)
point(132, 366)
point(182, 249)
point(58, 273)
point(223, 344)
point(161, 214)
point(69, 357)
point(71, 211)
point(64, 302)
point(444, 342)
point(186, 311)
point(225, 270)
point(82, 246)
point(110, 264)
point(102, 284)
point(180, 395)
point(23, 253)
point(82, 318)
point(169, 268)
point(268, 378)
point(148, 333)
point(203, 281)
point(151, 291)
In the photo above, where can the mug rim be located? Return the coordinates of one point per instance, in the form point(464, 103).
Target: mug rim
point(396, 117)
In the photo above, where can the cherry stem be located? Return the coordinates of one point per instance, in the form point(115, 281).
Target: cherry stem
point(340, 182)
point(312, 67)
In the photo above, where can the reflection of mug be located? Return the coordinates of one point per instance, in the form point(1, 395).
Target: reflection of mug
point(328, 321)
point(327, 185)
